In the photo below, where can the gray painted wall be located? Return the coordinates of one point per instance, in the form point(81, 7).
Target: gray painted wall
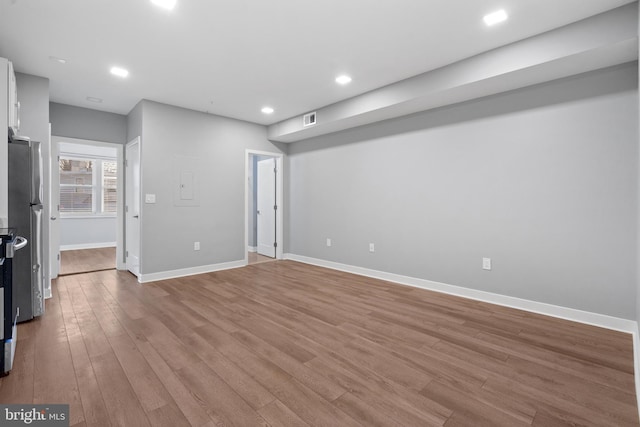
point(213, 148)
point(83, 123)
point(91, 232)
point(543, 180)
point(637, 318)
point(33, 94)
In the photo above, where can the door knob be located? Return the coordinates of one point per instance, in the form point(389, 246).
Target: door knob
point(53, 218)
point(136, 216)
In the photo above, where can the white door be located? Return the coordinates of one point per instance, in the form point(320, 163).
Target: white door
point(266, 206)
point(54, 214)
point(132, 207)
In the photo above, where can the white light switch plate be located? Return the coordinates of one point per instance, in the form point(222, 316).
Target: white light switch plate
point(486, 263)
point(149, 198)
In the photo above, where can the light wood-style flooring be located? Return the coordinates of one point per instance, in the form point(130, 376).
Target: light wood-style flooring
point(256, 258)
point(87, 260)
point(287, 344)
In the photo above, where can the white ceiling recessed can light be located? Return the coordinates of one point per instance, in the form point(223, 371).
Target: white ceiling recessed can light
point(495, 17)
point(165, 4)
point(267, 110)
point(343, 79)
point(120, 72)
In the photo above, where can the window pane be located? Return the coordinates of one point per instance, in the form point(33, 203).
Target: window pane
point(109, 186)
point(76, 185)
point(76, 199)
point(77, 172)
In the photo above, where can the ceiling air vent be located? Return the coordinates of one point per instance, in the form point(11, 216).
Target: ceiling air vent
point(309, 119)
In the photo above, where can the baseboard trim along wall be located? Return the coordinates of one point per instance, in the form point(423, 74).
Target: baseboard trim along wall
point(595, 319)
point(636, 363)
point(88, 246)
point(172, 274)
point(252, 248)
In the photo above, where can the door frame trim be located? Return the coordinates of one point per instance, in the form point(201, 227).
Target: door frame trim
point(279, 201)
point(123, 223)
point(55, 139)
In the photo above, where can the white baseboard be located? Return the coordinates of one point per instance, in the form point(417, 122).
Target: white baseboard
point(88, 246)
point(172, 274)
point(636, 363)
point(252, 248)
point(595, 319)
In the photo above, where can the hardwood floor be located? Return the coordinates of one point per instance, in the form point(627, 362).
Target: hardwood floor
point(256, 258)
point(287, 344)
point(87, 260)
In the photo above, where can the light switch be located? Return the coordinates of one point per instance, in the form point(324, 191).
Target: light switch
point(149, 198)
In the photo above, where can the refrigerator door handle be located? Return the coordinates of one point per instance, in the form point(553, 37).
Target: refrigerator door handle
point(21, 242)
point(18, 243)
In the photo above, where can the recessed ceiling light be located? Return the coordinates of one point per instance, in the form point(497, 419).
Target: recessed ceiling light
point(267, 110)
point(120, 72)
point(343, 79)
point(495, 17)
point(56, 59)
point(93, 99)
point(165, 4)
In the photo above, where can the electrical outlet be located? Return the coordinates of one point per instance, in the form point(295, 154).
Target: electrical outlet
point(372, 247)
point(328, 242)
point(486, 263)
point(196, 246)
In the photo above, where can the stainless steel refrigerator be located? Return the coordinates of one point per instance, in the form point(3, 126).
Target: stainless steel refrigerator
point(25, 217)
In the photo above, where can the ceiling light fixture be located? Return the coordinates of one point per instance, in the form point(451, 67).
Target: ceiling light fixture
point(267, 110)
point(165, 4)
point(495, 17)
point(343, 79)
point(120, 72)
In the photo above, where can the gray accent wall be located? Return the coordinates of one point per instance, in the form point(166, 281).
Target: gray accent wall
point(542, 180)
point(84, 123)
point(212, 148)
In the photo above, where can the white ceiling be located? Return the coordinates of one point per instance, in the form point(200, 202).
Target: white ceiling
point(232, 57)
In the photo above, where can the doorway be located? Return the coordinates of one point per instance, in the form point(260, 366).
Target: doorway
point(86, 204)
point(132, 207)
point(263, 206)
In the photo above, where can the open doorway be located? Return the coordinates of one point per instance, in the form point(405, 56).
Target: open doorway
point(263, 220)
point(86, 196)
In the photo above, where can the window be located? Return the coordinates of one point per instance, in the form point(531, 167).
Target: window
point(88, 186)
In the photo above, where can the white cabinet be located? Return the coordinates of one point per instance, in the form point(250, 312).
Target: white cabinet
point(13, 103)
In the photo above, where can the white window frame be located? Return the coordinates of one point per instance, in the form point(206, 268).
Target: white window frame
point(97, 186)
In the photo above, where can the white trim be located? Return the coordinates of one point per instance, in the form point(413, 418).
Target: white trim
point(636, 364)
point(252, 249)
point(171, 274)
point(121, 261)
point(56, 139)
point(279, 200)
point(88, 246)
point(595, 319)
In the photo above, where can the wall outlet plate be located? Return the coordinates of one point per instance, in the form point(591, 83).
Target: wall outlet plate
point(372, 247)
point(486, 263)
point(196, 246)
point(328, 242)
point(149, 198)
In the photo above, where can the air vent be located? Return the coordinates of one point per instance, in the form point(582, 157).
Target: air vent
point(309, 119)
